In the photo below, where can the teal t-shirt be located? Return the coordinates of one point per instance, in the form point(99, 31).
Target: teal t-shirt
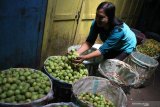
point(121, 38)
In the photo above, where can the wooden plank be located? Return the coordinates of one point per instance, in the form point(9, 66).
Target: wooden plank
point(64, 17)
point(47, 29)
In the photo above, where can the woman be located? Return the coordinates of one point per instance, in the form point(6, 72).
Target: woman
point(118, 40)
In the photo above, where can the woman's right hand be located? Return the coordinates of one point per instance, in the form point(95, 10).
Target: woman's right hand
point(80, 59)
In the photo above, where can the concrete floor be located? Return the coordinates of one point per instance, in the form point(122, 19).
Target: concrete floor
point(148, 96)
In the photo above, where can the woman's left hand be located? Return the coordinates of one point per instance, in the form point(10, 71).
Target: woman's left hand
point(80, 59)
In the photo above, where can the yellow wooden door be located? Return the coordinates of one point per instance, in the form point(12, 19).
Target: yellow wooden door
point(60, 27)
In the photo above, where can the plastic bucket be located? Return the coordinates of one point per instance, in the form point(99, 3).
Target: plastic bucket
point(119, 73)
point(156, 57)
point(155, 36)
point(62, 90)
point(100, 86)
point(36, 103)
point(144, 65)
point(91, 64)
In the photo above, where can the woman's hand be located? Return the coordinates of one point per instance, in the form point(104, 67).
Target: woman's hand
point(80, 59)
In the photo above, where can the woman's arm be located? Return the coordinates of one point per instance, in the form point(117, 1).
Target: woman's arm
point(88, 44)
point(85, 46)
point(93, 54)
point(88, 56)
point(90, 39)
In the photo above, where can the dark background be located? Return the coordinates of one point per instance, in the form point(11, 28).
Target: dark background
point(149, 19)
point(149, 24)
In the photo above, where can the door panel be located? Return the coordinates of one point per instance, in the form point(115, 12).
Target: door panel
point(21, 32)
point(61, 24)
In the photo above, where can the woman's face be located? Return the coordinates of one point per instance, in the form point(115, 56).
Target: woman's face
point(101, 18)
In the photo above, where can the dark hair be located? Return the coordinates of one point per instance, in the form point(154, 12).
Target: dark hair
point(109, 9)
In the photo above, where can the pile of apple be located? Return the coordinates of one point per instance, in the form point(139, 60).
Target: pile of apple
point(63, 68)
point(23, 85)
